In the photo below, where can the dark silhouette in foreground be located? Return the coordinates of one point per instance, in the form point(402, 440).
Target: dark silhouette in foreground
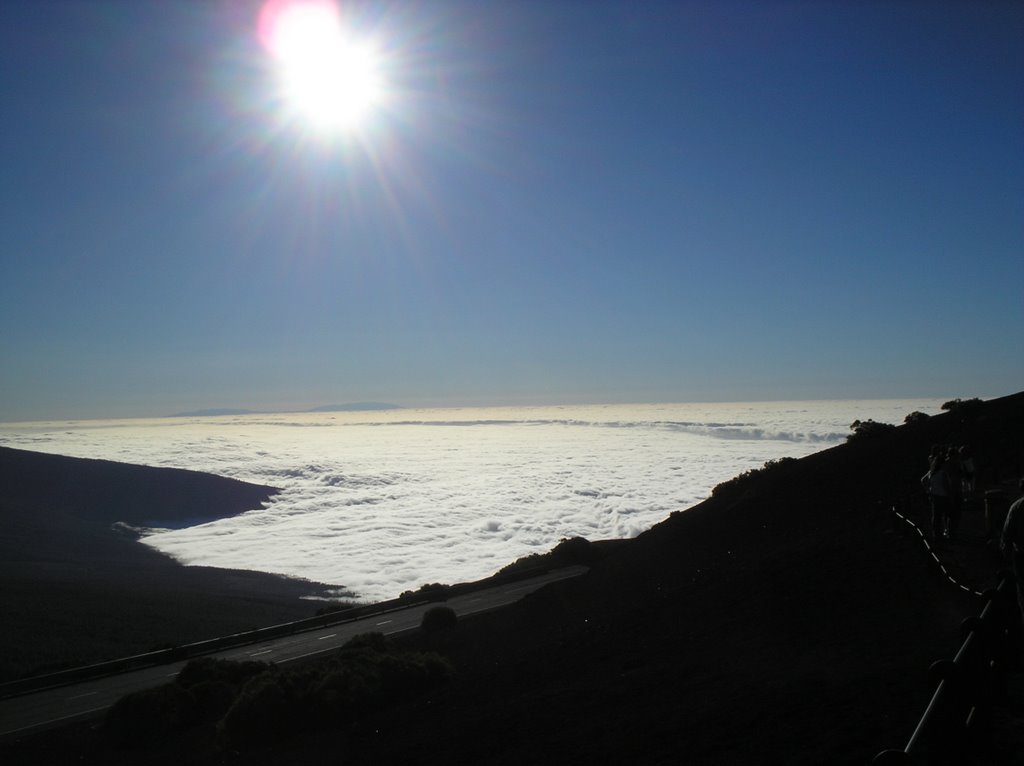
point(787, 619)
point(78, 589)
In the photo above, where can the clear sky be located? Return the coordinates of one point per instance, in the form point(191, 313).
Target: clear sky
point(551, 202)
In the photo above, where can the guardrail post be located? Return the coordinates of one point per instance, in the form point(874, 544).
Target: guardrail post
point(975, 667)
point(944, 741)
point(892, 758)
point(1001, 632)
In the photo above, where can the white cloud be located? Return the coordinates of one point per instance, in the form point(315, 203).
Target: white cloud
point(381, 502)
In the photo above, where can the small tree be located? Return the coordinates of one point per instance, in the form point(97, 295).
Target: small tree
point(868, 429)
point(433, 591)
point(916, 417)
point(148, 717)
point(264, 711)
point(963, 407)
point(744, 480)
point(438, 618)
point(575, 550)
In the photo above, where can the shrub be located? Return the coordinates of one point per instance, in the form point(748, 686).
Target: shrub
point(256, 704)
point(434, 591)
point(409, 671)
point(149, 716)
point(529, 561)
point(367, 673)
point(264, 711)
point(575, 550)
point(212, 699)
point(341, 692)
point(916, 417)
point(963, 407)
point(868, 429)
point(208, 669)
point(438, 618)
point(375, 641)
point(744, 479)
point(362, 679)
point(734, 483)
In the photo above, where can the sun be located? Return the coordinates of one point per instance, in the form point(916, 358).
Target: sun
point(328, 74)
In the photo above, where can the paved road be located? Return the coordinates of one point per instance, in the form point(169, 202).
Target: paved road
point(31, 713)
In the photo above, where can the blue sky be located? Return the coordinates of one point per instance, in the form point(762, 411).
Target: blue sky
point(561, 202)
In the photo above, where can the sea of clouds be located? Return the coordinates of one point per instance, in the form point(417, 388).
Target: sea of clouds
point(381, 502)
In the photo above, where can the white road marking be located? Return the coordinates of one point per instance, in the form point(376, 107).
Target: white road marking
point(53, 720)
point(241, 653)
point(324, 638)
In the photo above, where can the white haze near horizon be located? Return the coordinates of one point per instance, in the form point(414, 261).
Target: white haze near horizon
point(381, 502)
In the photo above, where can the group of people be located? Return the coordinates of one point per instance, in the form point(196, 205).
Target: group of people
point(949, 480)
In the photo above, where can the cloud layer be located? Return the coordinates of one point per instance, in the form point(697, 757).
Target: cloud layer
point(381, 502)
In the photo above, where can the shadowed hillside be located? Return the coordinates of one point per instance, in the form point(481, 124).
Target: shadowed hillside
point(786, 620)
point(76, 590)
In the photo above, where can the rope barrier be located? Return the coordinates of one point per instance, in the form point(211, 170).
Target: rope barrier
point(935, 556)
point(958, 718)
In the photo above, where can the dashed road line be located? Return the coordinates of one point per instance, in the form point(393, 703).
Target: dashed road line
point(68, 717)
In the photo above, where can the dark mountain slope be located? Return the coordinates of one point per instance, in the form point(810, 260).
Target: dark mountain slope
point(76, 590)
point(104, 491)
point(787, 620)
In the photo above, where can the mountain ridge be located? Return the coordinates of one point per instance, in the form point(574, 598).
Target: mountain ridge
point(348, 407)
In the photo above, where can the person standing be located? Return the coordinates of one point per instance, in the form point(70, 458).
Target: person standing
point(954, 484)
point(936, 484)
point(1012, 543)
point(967, 465)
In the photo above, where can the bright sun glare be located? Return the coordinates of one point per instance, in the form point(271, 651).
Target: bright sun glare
point(330, 76)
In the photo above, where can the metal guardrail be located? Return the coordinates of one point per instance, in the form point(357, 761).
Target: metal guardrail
point(254, 636)
point(957, 720)
point(197, 649)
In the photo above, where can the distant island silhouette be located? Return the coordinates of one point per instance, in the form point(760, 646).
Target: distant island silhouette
point(350, 407)
point(212, 413)
point(355, 407)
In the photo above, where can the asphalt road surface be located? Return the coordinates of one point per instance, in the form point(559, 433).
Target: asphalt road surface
point(30, 713)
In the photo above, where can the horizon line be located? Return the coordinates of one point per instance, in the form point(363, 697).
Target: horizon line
point(370, 406)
